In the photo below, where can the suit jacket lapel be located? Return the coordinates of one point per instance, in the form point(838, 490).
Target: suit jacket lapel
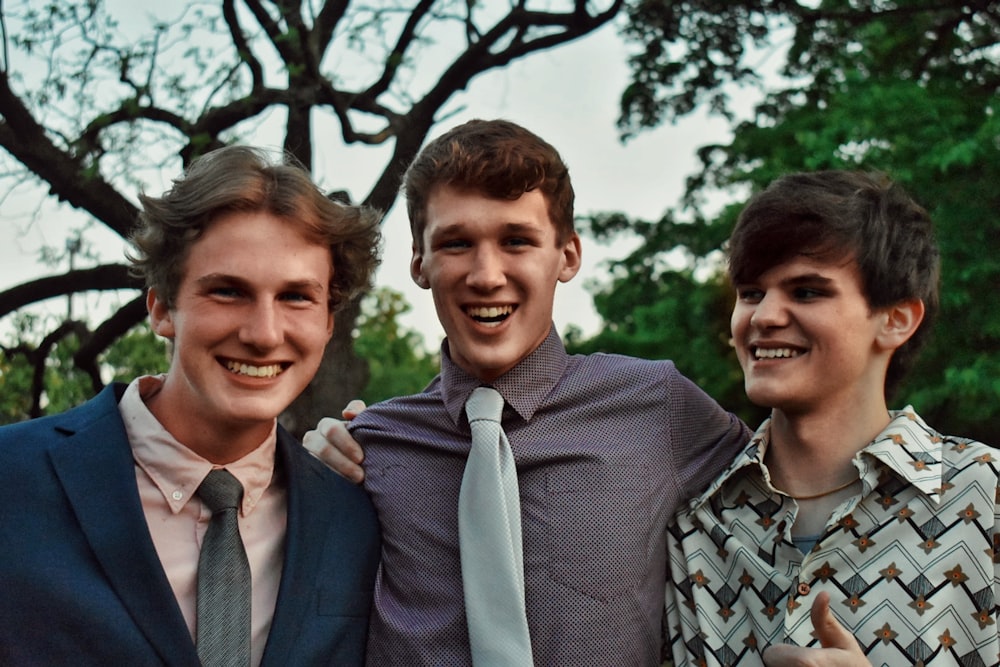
point(94, 464)
point(311, 507)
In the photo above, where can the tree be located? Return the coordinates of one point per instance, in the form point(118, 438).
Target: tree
point(397, 358)
point(42, 375)
point(87, 94)
point(908, 87)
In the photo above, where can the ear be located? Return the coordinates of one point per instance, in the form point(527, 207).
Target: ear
point(417, 269)
point(901, 321)
point(330, 319)
point(160, 317)
point(572, 256)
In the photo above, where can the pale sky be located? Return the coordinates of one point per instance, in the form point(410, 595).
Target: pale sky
point(568, 95)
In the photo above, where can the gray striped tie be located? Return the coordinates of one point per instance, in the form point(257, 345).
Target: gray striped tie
point(223, 577)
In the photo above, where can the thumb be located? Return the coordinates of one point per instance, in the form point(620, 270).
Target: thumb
point(829, 631)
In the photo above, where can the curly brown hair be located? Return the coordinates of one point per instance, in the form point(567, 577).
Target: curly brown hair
point(246, 179)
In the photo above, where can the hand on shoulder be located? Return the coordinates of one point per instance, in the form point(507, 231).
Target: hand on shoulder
point(332, 444)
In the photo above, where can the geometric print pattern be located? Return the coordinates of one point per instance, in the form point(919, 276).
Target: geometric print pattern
point(910, 563)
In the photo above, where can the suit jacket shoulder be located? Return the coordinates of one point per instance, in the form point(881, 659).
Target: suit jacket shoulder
point(77, 548)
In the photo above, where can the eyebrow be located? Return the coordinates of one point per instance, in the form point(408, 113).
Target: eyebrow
point(306, 284)
point(508, 227)
point(793, 281)
point(807, 279)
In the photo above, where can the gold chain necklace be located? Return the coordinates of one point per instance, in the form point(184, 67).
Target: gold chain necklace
point(825, 493)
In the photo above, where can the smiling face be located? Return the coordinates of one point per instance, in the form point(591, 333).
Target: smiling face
point(492, 266)
point(250, 321)
point(807, 339)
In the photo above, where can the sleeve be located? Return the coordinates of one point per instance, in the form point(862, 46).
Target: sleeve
point(996, 560)
point(705, 436)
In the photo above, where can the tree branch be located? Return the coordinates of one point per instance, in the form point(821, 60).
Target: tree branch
point(243, 49)
point(106, 277)
point(105, 335)
point(68, 178)
point(326, 23)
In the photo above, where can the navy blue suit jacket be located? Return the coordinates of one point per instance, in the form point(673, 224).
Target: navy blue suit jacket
point(80, 581)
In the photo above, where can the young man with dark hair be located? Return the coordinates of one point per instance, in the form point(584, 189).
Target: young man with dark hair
point(595, 452)
point(841, 517)
point(173, 521)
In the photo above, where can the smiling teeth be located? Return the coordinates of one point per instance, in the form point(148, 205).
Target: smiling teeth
point(254, 371)
point(775, 353)
point(490, 313)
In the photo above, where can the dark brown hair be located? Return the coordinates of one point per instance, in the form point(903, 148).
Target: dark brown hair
point(846, 215)
point(498, 158)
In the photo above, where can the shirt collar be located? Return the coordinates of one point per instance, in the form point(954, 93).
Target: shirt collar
point(907, 446)
point(913, 450)
point(523, 387)
point(176, 470)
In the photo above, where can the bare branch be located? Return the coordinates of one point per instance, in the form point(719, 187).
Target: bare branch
point(105, 335)
point(329, 16)
point(272, 29)
point(243, 49)
point(396, 57)
point(69, 179)
point(106, 277)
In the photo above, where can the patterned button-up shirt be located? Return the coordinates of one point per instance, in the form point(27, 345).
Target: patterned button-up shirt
point(606, 448)
point(910, 563)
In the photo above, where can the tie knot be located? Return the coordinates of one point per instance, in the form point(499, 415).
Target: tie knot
point(220, 490)
point(484, 403)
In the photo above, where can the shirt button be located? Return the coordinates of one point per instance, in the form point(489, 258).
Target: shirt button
point(804, 589)
point(177, 495)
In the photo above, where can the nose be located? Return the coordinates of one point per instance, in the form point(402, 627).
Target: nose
point(262, 328)
point(487, 271)
point(770, 311)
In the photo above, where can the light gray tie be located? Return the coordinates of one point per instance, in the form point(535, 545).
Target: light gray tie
point(489, 534)
point(223, 577)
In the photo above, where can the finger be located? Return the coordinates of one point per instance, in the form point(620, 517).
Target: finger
point(829, 631)
point(784, 655)
point(335, 432)
point(332, 444)
point(353, 409)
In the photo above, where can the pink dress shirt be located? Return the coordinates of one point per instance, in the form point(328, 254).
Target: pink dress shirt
point(168, 474)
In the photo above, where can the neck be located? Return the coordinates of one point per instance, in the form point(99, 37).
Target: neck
point(216, 442)
point(814, 451)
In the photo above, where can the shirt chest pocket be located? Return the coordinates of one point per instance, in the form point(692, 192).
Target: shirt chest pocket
point(598, 527)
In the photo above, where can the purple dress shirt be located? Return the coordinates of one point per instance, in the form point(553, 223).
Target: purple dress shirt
point(606, 448)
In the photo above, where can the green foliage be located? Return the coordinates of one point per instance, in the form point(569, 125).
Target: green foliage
point(15, 389)
point(138, 352)
point(907, 88)
point(398, 362)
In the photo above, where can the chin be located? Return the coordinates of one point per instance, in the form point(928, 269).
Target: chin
point(766, 399)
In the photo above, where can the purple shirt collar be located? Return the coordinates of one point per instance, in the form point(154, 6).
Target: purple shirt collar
point(523, 387)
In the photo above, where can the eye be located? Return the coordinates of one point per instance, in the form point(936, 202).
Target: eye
point(807, 293)
point(225, 292)
point(453, 244)
point(749, 294)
